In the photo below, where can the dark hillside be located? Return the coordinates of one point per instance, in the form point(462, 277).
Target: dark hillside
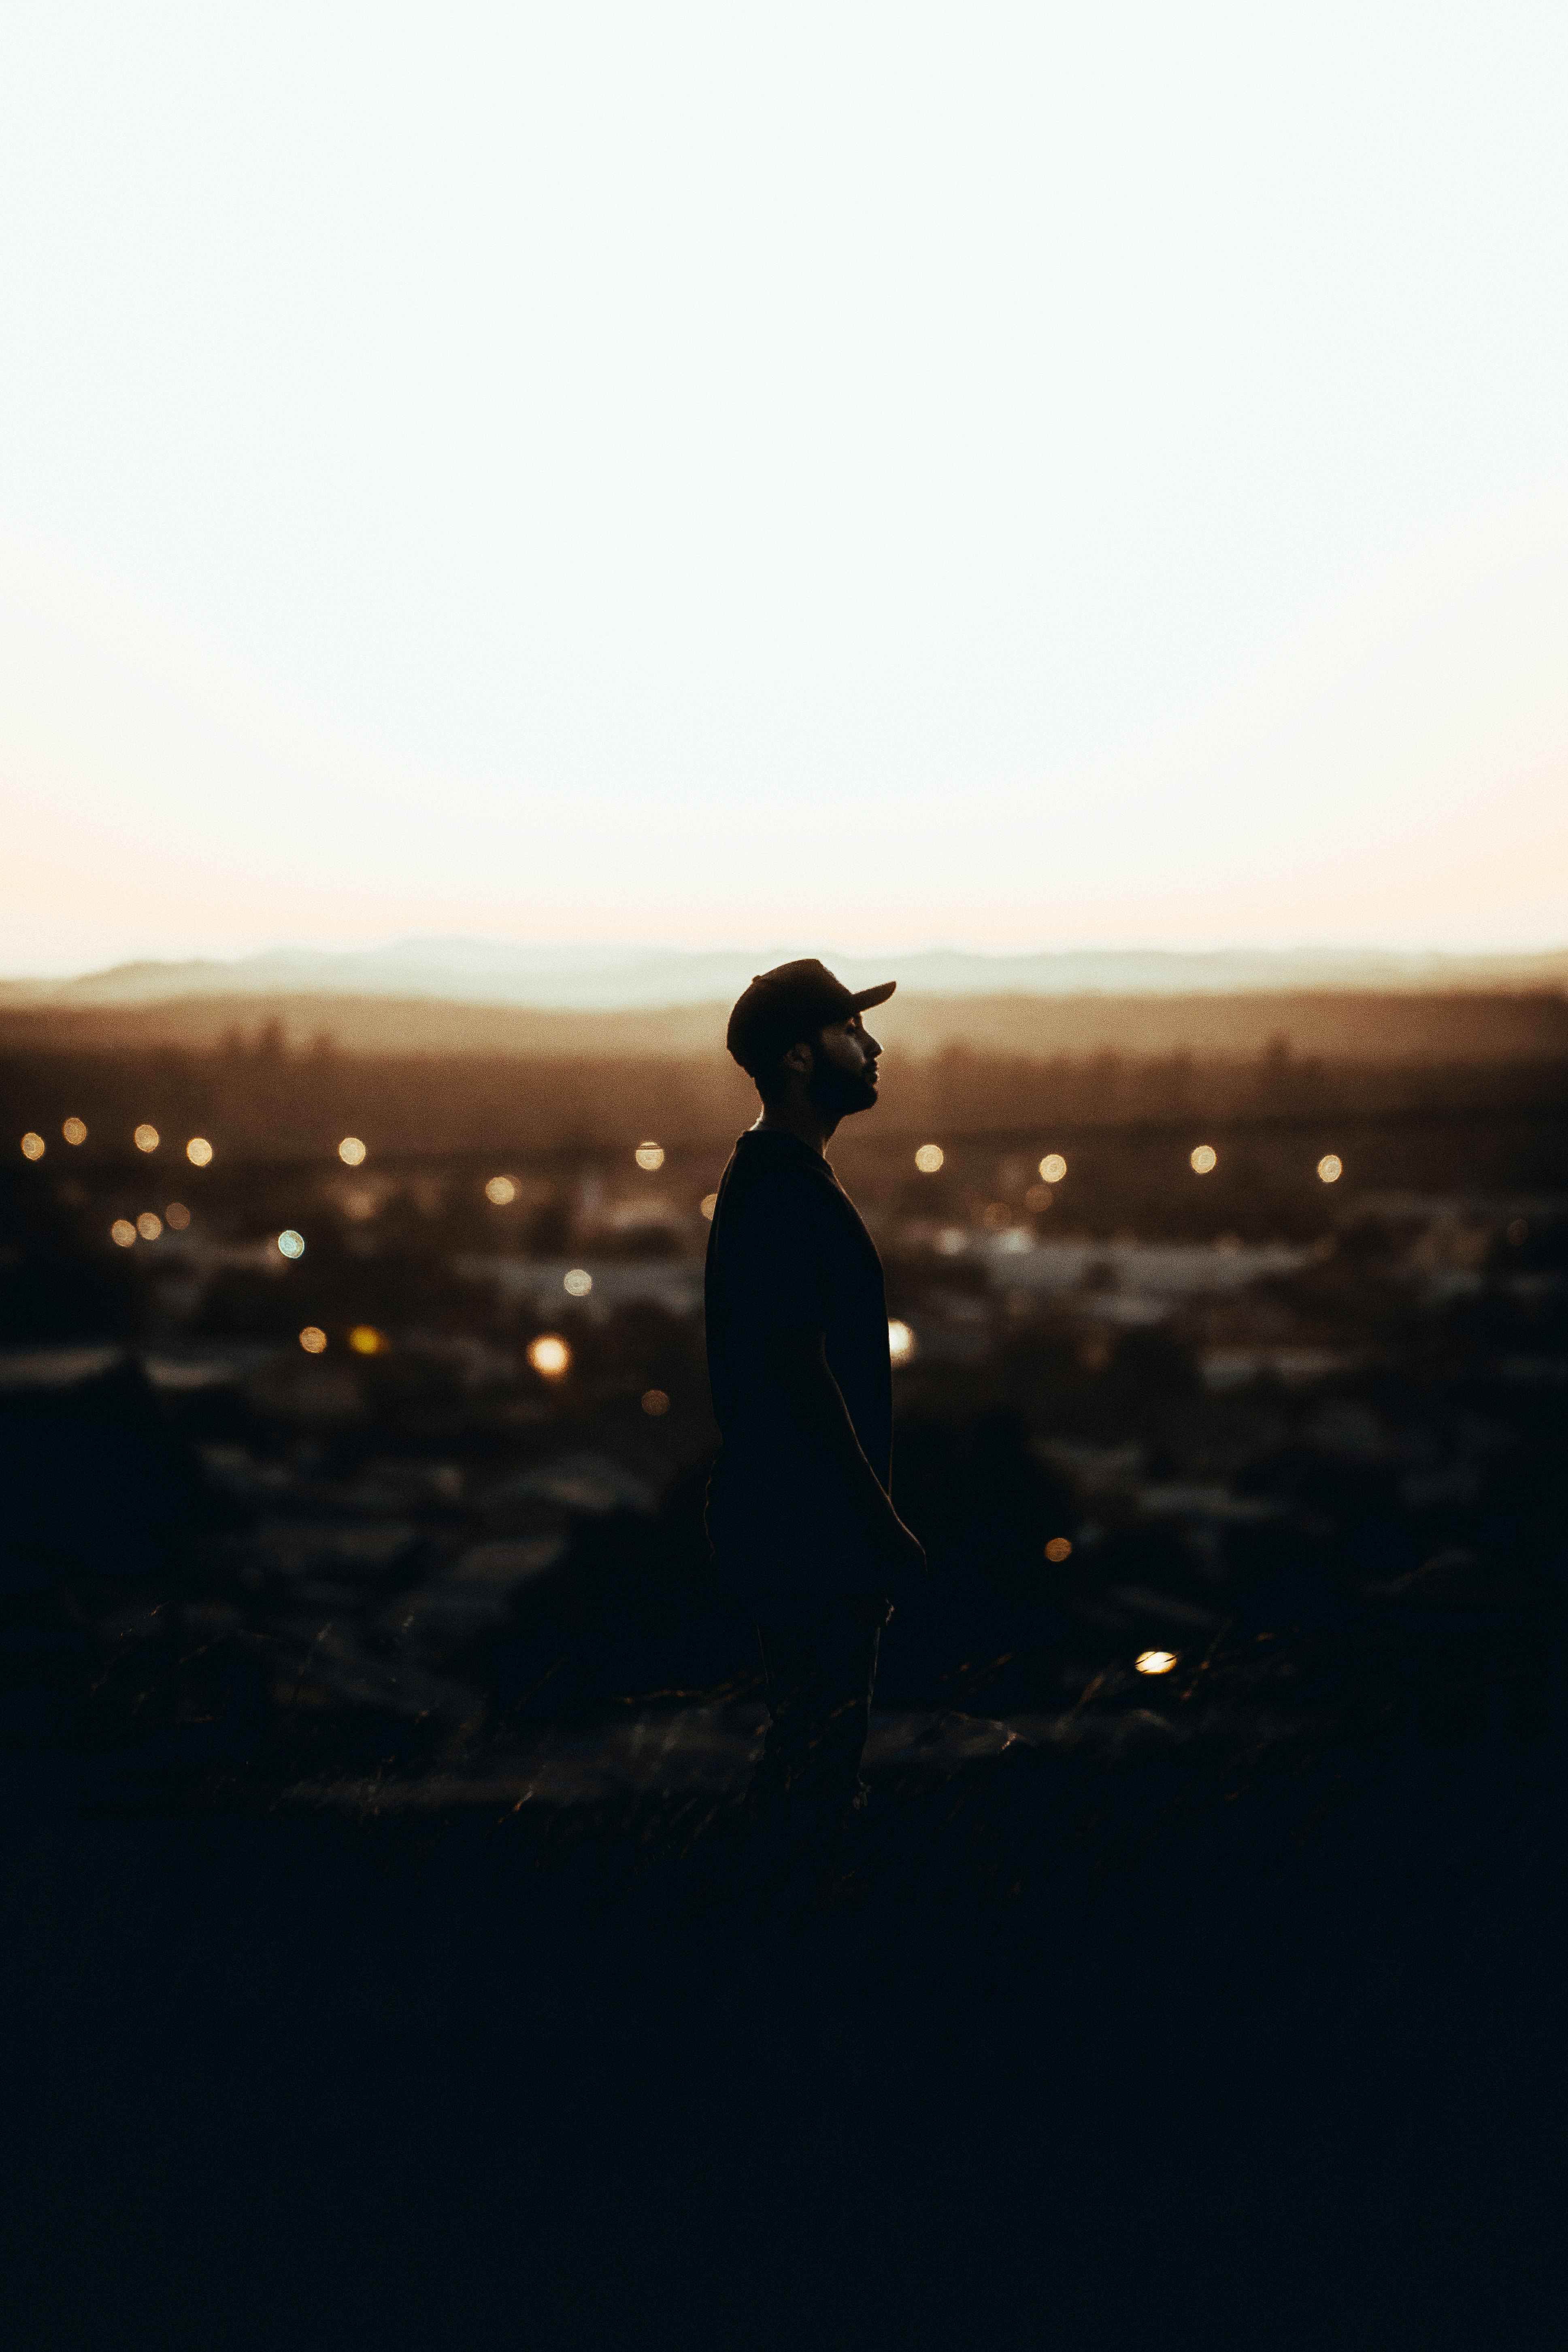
point(1520, 1024)
point(259, 1092)
point(374, 1726)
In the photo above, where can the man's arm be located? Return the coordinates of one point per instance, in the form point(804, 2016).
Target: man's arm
point(820, 1419)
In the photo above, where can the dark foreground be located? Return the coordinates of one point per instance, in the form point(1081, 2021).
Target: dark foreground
point(1163, 2040)
point(382, 1968)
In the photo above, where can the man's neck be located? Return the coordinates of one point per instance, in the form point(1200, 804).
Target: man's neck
point(799, 1117)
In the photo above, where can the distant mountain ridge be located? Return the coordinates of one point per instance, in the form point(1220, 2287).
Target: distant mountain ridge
point(549, 976)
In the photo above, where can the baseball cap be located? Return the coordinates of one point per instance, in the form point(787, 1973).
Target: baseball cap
point(792, 1001)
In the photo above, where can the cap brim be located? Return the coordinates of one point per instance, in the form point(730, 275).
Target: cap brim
point(864, 998)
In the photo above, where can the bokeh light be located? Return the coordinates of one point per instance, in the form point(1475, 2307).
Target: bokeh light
point(199, 1151)
point(122, 1232)
point(708, 1203)
point(1059, 1548)
point(1155, 1661)
point(351, 1152)
point(1203, 1160)
point(550, 1356)
point(366, 1340)
point(313, 1340)
point(1331, 1167)
point(578, 1283)
point(649, 1157)
point(1052, 1168)
point(176, 1217)
point(33, 1146)
point(655, 1404)
point(900, 1343)
point(75, 1130)
point(996, 1216)
point(929, 1159)
point(501, 1191)
point(291, 1243)
point(1039, 1198)
point(148, 1225)
point(145, 1138)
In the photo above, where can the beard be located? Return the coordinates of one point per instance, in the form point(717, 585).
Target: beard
point(839, 1092)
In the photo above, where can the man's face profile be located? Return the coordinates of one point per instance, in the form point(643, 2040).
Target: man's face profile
point(843, 1073)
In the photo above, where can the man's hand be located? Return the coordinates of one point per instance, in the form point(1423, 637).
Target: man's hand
point(812, 1398)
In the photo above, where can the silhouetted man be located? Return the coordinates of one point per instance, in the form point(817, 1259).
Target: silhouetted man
point(798, 1508)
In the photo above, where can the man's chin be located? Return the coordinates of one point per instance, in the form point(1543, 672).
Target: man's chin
point(843, 1096)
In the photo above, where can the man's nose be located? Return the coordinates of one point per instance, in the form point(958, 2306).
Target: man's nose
point(872, 1047)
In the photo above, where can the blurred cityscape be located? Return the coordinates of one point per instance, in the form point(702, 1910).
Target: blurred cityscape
point(355, 1421)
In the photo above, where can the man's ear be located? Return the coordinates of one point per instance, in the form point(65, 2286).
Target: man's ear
point(799, 1059)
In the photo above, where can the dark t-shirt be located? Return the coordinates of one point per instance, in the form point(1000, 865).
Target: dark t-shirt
point(787, 1252)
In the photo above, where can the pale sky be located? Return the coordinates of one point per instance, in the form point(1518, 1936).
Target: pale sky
point(1017, 476)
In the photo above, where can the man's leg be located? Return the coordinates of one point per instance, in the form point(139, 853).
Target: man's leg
point(819, 1658)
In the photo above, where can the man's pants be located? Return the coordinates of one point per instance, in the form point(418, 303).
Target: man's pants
point(819, 1658)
